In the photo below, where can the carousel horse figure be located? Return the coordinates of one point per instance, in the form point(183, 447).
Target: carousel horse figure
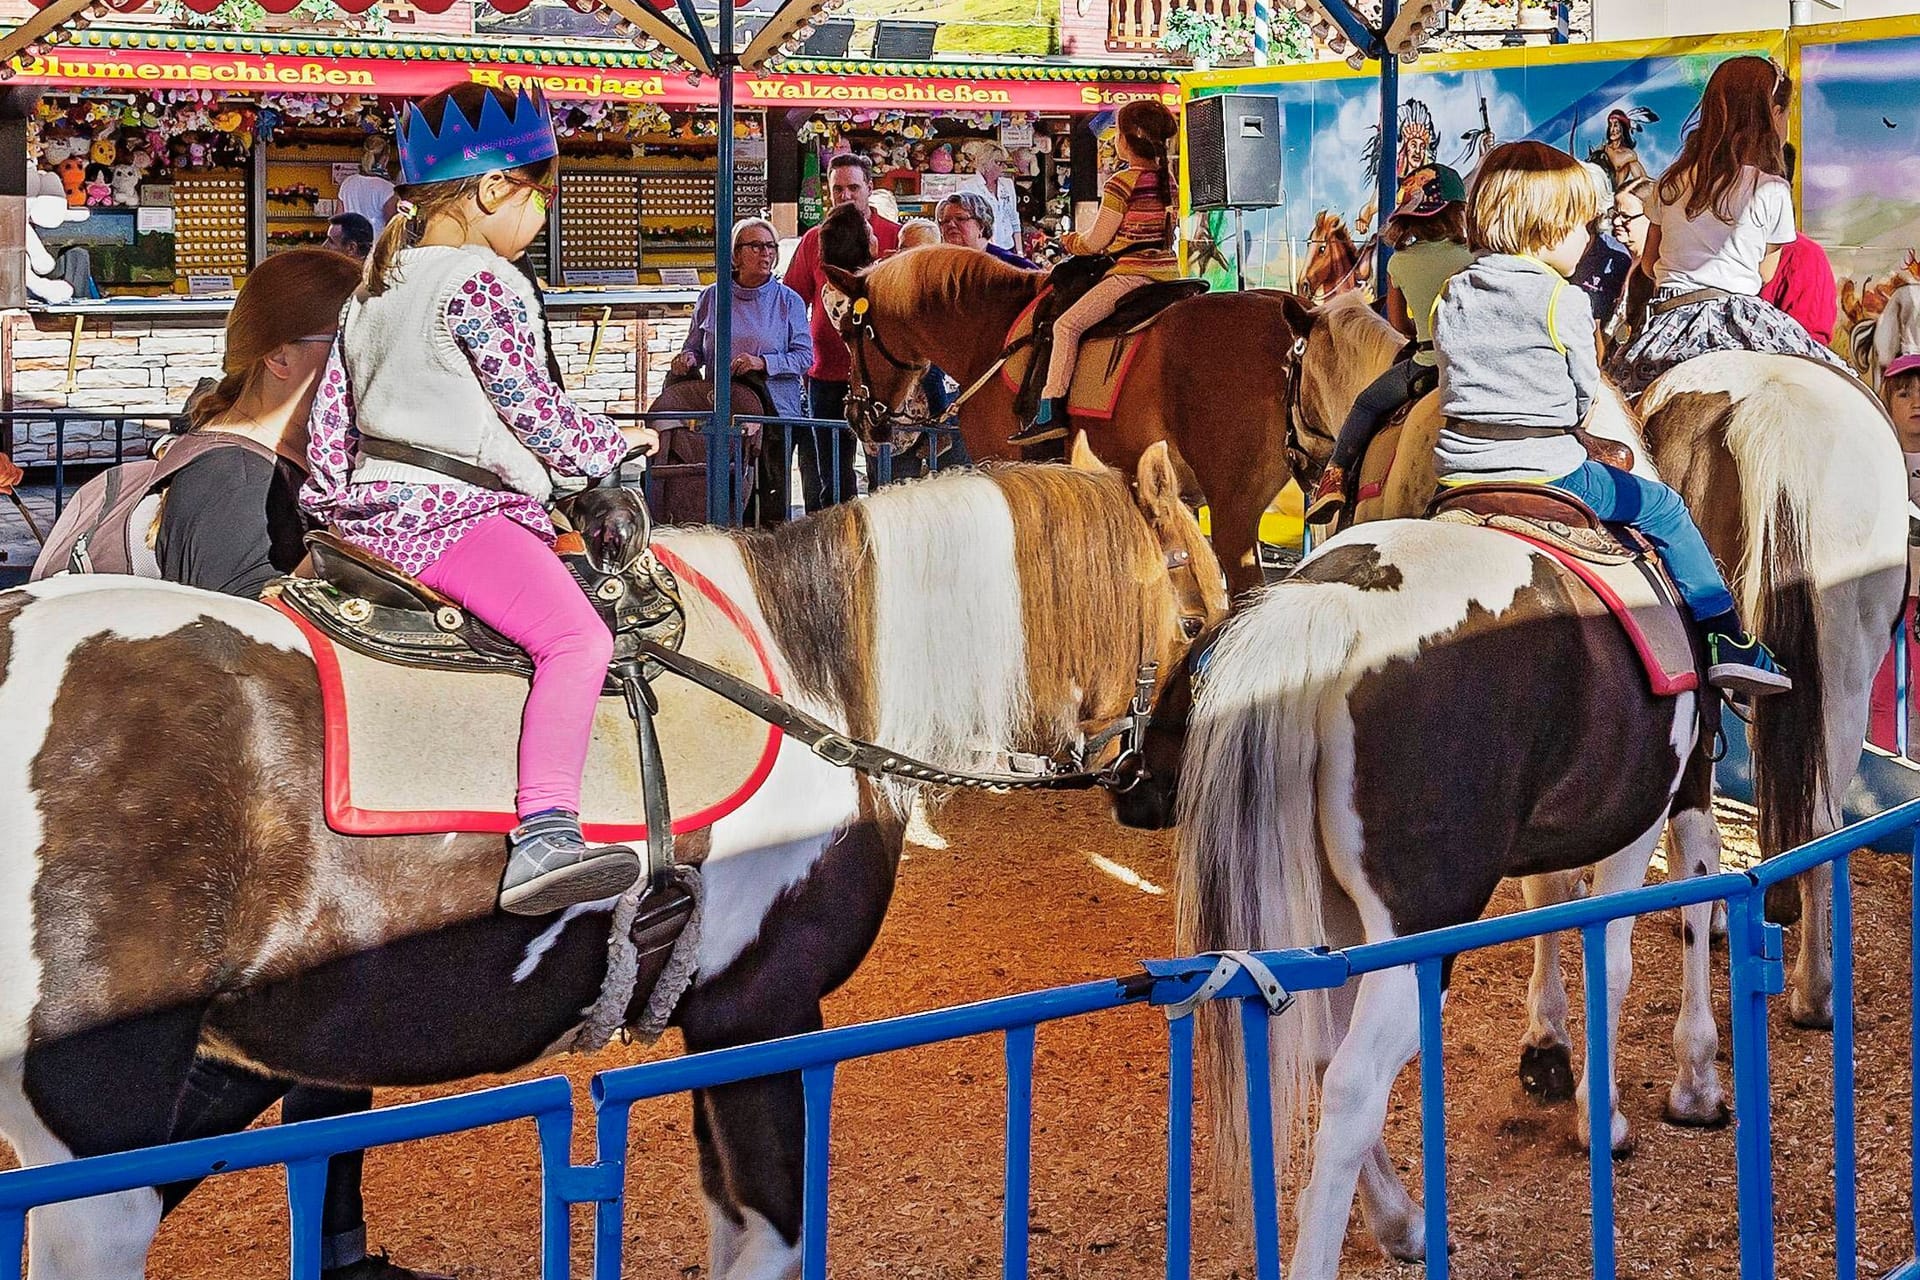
point(1193, 378)
point(1334, 262)
point(1794, 475)
point(174, 883)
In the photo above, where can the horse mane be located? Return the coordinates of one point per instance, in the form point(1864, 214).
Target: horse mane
point(1355, 326)
point(947, 278)
point(953, 617)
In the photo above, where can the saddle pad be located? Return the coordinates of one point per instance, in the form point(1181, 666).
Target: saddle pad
point(412, 751)
point(1098, 375)
point(1641, 599)
point(1377, 464)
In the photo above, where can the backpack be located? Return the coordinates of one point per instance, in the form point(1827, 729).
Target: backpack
point(108, 526)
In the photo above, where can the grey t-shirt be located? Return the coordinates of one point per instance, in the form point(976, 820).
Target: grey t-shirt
point(1518, 371)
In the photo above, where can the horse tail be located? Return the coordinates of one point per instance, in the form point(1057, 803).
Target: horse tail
point(1250, 859)
point(1789, 732)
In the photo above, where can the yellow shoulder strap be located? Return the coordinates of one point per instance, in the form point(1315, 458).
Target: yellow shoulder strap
point(1553, 316)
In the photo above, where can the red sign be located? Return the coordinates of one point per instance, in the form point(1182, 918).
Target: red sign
point(266, 73)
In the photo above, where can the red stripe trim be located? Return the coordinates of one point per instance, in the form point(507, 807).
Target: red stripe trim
point(347, 818)
point(1013, 331)
point(1662, 684)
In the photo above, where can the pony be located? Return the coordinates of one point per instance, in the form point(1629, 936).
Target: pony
point(1793, 472)
point(1333, 260)
point(1325, 800)
point(171, 886)
point(1210, 378)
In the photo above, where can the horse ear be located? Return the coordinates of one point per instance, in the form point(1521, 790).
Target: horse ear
point(1081, 456)
point(845, 281)
point(1300, 316)
point(1156, 479)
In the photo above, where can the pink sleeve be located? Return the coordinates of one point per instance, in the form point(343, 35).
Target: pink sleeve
point(331, 439)
point(490, 322)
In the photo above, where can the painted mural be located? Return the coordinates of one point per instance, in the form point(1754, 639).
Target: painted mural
point(1860, 186)
point(1626, 113)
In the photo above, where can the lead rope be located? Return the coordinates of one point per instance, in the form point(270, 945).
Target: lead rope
point(1227, 966)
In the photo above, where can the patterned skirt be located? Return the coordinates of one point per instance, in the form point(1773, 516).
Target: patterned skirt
point(1736, 322)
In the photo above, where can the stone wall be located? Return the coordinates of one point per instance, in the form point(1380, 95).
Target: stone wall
point(148, 367)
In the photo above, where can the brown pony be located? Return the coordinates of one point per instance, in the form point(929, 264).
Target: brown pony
point(1210, 378)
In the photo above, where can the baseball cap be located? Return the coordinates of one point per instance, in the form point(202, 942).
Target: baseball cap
point(1900, 365)
point(1428, 190)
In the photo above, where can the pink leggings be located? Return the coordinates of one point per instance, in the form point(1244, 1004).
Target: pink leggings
point(509, 578)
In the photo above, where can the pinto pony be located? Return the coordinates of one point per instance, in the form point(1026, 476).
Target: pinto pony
point(171, 887)
point(1210, 377)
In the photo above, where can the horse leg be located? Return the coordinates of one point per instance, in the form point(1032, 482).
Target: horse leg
point(726, 1227)
point(1624, 870)
point(1546, 1053)
point(751, 1170)
point(1693, 849)
point(1810, 993)
point(1383, 1037)
point(109, 1088)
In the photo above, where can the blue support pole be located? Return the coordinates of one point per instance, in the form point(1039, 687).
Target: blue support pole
point(1180, 1148)
point(1389, 176)
point(1433, 1119)
point(720, 503)
point(1018, 1206)
point(1846, 1190)
point(306, 1189)
point(1593, 966)
point(1254, 1029)
point(816, 1085)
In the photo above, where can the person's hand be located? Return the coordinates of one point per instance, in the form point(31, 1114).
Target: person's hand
point(641, 438)
point(749, 364)
point(684, 363)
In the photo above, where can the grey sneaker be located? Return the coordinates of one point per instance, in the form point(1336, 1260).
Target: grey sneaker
point(550, 867)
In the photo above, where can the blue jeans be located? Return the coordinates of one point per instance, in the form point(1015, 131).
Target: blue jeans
point(1402, 383)
point(1656, 511)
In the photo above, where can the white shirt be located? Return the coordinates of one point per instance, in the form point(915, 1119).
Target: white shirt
point(366, 194)
point(1006, 209)
point(1706, 253)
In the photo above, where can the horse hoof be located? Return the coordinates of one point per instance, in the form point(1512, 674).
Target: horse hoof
point(1809, 1016)
point(1783, 903)
point(1546, 1072)
point(1695, 1115)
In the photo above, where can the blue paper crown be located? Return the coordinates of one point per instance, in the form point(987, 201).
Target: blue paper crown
point(462, 148)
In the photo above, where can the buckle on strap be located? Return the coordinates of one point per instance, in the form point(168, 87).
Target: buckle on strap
point(1226, 967)
point(837, 750)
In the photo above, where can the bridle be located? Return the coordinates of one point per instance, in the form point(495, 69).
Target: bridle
point(873, 419)
point(1298, 458)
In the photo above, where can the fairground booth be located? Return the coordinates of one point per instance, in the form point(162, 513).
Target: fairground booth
point(181, 159)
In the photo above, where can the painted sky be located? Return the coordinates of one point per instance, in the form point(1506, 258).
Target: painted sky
point(1850, 96)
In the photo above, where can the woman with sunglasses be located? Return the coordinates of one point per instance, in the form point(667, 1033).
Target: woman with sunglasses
point(1720, 217)
point(770, 333)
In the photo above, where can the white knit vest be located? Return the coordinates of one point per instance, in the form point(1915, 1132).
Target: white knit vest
point(413, 384)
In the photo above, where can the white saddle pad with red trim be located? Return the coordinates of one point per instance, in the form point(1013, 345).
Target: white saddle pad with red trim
point(411, 751)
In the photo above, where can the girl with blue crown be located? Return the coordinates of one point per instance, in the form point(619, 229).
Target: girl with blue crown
point(436, 436)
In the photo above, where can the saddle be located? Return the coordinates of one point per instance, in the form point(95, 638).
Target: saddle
point(369, 605)
point(1619, 568)
point(1105, 350)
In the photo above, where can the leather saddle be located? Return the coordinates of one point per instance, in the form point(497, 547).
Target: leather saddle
point(366, 603)
point(1070, 282)
point(1542, 512)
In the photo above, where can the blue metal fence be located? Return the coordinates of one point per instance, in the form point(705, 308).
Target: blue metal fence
point(1754, 950)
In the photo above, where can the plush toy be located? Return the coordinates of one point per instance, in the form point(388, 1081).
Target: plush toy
point(99, 193)
point(126, 183)
point(73, 180)
point(46, 207)
point(100, 158)
point(197, 154)
point(940, 160)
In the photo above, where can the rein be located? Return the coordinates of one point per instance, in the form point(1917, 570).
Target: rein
point(880, 420)
point(1297, 456)
point(875, 761)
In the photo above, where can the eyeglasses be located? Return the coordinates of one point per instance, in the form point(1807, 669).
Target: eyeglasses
point(764, 246)
point(326, 338)
point(958, 220)
point(1622, 219)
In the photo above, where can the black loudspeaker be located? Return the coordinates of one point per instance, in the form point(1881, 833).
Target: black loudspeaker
point(1233, 151)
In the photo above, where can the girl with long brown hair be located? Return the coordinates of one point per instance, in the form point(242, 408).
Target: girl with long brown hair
point(437, 436)
point(1719, 219)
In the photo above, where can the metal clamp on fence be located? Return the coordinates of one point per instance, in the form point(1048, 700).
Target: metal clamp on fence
point(1227, 966)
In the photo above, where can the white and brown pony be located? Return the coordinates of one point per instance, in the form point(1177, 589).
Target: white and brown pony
point(1210, 378)
point(1793, 473)
point(169, 886)
point(1375, 743)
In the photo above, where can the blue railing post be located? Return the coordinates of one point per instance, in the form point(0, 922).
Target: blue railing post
point(1017, 1209)
point(1753, 961)
point(556, 1210)
point(611, 1123)
point(306, 1195)
point(1593, 971)
point(1254, 1020)
point(1433, 1118)
point(1846, 1194)
point(13, 1240)
point(817, 1087)
point(1180, 1148)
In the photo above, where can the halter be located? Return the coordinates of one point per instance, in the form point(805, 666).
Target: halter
point(1297, 456)
point(866, 415)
